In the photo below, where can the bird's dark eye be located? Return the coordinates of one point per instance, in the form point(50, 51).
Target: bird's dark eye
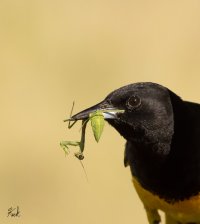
point(133, 102)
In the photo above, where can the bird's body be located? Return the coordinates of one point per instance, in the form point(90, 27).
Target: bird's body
point(162, 149)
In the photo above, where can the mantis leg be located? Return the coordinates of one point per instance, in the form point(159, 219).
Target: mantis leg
point(82, 142)
point(69, 124)
point(65, 145)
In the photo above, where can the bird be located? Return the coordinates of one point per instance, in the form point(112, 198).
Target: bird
point(162, 133)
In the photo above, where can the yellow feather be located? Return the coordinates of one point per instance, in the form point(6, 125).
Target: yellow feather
point(182, 211)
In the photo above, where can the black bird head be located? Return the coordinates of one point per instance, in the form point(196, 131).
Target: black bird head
point(147, 115)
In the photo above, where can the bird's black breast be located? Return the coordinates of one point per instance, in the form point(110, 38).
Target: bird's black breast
point(177, 175)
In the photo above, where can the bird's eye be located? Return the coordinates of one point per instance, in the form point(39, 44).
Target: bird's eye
point(133, 102)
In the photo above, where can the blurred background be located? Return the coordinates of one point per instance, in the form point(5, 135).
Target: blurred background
point(54, 52)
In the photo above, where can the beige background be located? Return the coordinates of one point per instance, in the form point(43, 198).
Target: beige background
point(54, 52)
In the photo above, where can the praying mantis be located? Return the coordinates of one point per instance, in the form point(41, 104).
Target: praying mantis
point(97, 123)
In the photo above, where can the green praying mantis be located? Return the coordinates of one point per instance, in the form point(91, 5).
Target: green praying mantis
point(97, 123)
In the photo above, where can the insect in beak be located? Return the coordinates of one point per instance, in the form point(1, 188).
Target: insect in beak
point(97, 114)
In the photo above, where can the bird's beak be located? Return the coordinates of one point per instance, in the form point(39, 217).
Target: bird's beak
point(108, 111)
